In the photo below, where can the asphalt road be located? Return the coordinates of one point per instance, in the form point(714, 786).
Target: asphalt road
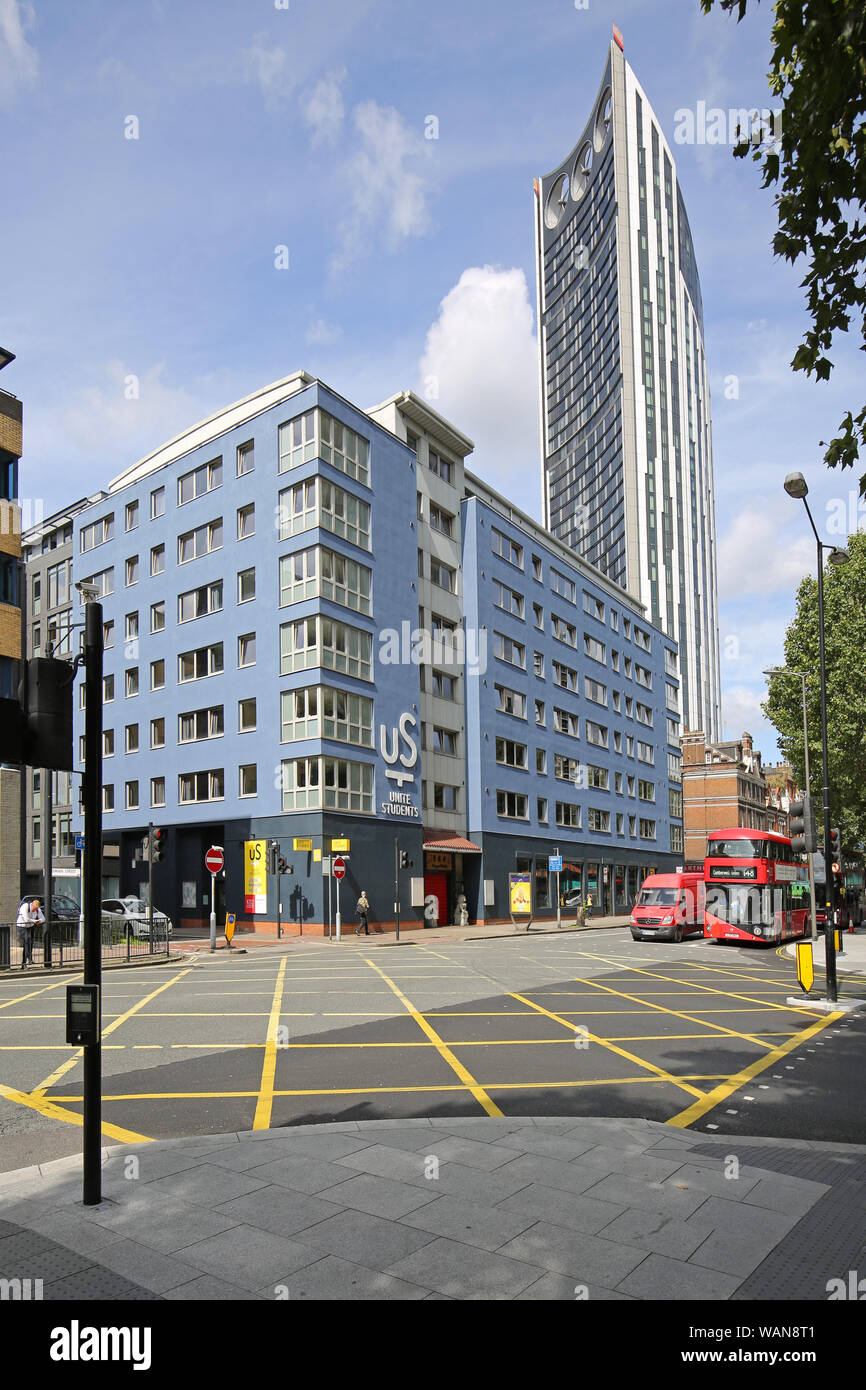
point(699, 1035)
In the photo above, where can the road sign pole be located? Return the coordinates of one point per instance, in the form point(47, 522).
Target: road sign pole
point(92, 895)
point(337, 917)
point(213, 912)
point(150, 886)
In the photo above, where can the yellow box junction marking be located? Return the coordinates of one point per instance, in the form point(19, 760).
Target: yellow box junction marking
point(727, 1088)
point(444, 1051)
point(57, 1112)
point(265, 1102)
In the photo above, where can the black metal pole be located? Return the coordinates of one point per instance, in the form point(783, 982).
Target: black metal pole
point(397, 885)
point(48, 856)
point(830, 927)
point(92, 887)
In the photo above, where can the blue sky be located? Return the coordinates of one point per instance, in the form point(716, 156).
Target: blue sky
point(410, 260)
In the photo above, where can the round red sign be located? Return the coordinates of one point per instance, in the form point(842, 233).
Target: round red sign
point(214, 861)
point(339, 868)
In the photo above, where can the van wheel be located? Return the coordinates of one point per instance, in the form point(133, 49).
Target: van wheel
point(678, 933)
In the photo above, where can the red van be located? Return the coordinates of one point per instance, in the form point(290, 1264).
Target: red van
point(669, 907)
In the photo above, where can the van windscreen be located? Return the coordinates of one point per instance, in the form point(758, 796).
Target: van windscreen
point(657, 897)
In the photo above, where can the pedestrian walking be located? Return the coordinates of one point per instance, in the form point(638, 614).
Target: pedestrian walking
point(30, 915)
point(362, 910)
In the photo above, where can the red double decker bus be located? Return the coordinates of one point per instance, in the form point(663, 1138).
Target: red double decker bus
point(757, 888)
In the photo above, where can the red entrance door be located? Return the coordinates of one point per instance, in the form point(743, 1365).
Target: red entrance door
point(436, 900)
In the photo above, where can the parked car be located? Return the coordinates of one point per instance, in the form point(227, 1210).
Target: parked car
point(63, 909)
point(134, 911)
point(669, 907)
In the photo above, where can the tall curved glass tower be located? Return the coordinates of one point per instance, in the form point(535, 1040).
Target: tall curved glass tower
point(625, 401)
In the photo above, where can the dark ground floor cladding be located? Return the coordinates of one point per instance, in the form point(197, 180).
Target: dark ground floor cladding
point(438, 887)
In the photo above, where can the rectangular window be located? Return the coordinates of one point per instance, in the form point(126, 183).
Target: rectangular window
point(538, 616)
point(598, 777)
point(444, 797)
point(541, 808)
point(564, 722)
point(132, 570)
point(157, 616)
point(246, 521)
point(509, 550)
point(510, 754)
point(646, 790)
point(200, 724)
point(248, 780)
point(598, 820)
point(538, 664)
point(566, 769)
point(564, 676)
point(157, 791)
point(344, 514)
point(157, 674)
point(319, 572)
point(328, 783)
point(512, 805)
point(444, 741)
point(205, 661)
point(644, 714)
point(201, 786)
point(442, 575)
point(647, 829)
point(594, 691)
point(568, 815)
point(246, 715)
point(97, 533)
point(344, 449)
point(675, 767)
point(131, 738)
point(197, 603)
point(132, 681)
point(157, 733)
point(246, 458)
point(321, 641)
point(131, 516)
point(131, 795)
point(441, 520)
point(444, 686)
point(595, 733)
point(204, 539)
point(108, 743)
point(108, 797)
point(157, 503)
point(539, 713)
point(246, 585)
point(507, 599)
point(130, 627)
point(506, 649)
point(646, 752)
point(442, 467)
point(247, 649)
point(298, 441)
point(511, 701)
point(594, 649)
point(562, 585)
point(677, 839)
point(593, 606)
point(157, 559)
point(675, 802)
point(199, 481)
point(563, 631)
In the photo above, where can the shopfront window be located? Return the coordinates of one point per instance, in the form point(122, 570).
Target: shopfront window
point(542, 884)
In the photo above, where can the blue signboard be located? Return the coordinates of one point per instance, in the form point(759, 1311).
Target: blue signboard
point(554, 863)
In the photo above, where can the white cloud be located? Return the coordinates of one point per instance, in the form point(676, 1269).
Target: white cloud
point(741, 713)
point(321, 333)
point(269, 67)
point(19, 63)
point(384, 183)
point(479, 369)
point(756, 558)
point(323, 109)
point(115, 417)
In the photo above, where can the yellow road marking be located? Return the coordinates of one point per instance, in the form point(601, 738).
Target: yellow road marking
point(106, 1032)
point(706, 989)
point(265, 1102)
point(33, 992)
point(733, 1083)
point(611, 1047)
point(692, 1018)
point(57, 1112)
point(444, 1051)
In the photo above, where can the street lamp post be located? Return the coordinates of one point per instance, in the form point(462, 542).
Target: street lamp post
point(796, 486)
point(783, 671)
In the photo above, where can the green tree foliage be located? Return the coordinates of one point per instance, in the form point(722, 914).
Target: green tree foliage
point(845, 648)
point(818, 69)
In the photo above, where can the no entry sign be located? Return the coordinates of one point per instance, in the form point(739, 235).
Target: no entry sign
point(339, 868)
point(214, 860)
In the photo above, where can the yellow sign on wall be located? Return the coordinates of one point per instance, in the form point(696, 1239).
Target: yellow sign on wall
point(255, 876)
point(340, 846)
point(317, 856)
point(301, 844)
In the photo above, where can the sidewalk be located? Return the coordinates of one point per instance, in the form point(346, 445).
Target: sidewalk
point(464, 1209)
point(542, 926)
point(852, 958)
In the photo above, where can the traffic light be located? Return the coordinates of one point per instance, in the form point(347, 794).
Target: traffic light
point(405, 861)
point(835, 848)
point(273, 853)
point(283, 867)
point(36, 729)
point(804, 832)
point(158, 843)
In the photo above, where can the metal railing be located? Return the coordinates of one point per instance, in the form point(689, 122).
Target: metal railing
point(64, 947)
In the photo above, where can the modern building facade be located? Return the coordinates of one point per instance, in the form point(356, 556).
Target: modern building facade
point(626, 435)
point(10, 638)
point(309, 638)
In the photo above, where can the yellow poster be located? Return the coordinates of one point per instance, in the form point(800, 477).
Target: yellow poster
point(520, 894)
point(255, 876)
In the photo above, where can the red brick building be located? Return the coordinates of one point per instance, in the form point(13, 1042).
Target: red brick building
point(725, 785)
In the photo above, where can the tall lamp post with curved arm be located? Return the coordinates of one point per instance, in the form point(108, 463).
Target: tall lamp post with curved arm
point(797, 487)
